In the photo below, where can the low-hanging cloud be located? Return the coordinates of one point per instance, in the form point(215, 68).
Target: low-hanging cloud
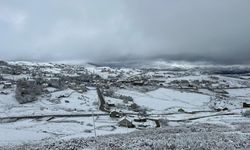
point(110, 30)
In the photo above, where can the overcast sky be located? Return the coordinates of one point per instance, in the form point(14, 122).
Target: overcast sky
point(113, 30)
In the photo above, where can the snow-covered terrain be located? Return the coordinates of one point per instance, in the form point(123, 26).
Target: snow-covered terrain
point(199, 136)
point(69, 109)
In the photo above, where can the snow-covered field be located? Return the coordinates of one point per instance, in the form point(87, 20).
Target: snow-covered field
point(165, 99)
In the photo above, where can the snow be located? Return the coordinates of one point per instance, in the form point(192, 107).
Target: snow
point(21, 134)
point(243, 92)
point(77, 102)
point(196, 136)
point(63, 128)
point(162, 99)
point(52, 70)
point(10, 136)
point(14, 77)
point(162, 103)
point(27, 63)
point(59, 127)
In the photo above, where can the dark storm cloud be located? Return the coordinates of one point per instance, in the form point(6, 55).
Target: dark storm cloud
point(110, 30)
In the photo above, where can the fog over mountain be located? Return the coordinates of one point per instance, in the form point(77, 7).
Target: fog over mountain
point(217, 31)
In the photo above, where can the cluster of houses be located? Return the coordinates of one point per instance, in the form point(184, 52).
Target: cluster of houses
point(212, 85)
point(31, 81)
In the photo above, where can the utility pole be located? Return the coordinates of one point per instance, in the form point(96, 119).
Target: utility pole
point(94, 124)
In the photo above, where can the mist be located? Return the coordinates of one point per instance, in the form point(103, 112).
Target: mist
point(102, 31)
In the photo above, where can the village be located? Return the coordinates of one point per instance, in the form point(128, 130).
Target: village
point(88, 100)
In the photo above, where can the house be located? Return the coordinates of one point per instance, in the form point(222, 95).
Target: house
point(246, 105)
point(140, 120)
point(138, 83)
point(115, 114)
point(7, 85)
point(111, 105)
point(124, 122)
